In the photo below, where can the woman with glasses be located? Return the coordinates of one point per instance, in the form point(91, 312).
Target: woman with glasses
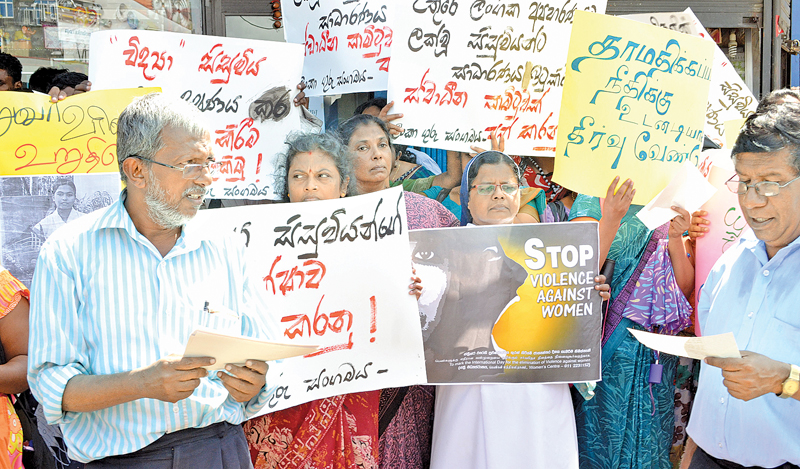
point(501, 425)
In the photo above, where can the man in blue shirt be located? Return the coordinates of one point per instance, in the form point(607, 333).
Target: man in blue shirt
point(117, 294)
point(746, 412)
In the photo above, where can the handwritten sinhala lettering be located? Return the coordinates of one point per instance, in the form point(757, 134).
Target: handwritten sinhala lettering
point(438, 8)
point(214, 103)
point(146, 59)
point(273, 105)
point(357, 76)
point(439, 41)
point(217, 60)
point(336, 228)
point(484, 40)
point(337, 18)
point(426, 93)
point(231, 137)
point(481, 8)
point(371, 37)
point(346, 373)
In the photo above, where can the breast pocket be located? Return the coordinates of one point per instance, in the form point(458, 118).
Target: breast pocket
point(221, 319)
point(781, 342)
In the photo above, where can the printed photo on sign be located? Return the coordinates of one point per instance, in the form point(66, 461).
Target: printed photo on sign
point(509, 303)
point(463, 69)
point(334, 274)
point(33, 207)
point(244, 88)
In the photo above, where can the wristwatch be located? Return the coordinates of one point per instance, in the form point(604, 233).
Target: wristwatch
point(792, 383)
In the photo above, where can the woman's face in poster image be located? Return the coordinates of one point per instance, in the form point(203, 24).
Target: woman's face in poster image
point(64, 197)
point(497, 208)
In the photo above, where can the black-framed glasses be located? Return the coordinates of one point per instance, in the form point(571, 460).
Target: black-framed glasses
point(190, 171)
point(763, 188)
point(488, 189)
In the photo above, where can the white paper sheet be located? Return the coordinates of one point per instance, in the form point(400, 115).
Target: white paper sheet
point(721, 345)
point(688, 190)
point(237, 350)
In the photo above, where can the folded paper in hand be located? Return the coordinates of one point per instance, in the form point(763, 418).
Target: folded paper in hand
point(721, 345)
point(237, 350)
point(688, 190)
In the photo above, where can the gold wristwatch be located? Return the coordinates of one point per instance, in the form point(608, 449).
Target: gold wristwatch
point(792, 383)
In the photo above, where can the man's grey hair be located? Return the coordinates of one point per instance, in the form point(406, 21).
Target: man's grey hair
point(775, 127)
point(140, 125)
point(307, 142)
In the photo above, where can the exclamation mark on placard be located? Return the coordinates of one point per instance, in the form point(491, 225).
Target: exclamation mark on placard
point(373, 324)
point(258, 167)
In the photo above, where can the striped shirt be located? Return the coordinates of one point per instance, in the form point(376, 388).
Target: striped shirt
point(105, 301)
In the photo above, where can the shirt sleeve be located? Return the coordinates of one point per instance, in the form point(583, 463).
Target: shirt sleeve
point(586, 206)
point(56, 348)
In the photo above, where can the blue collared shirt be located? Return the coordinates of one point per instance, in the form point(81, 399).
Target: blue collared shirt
point(758, 299)
point(105, 301)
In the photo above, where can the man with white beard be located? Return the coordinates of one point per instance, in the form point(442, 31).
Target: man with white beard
point(116, 295)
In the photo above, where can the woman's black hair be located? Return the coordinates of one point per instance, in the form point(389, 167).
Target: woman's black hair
point(348, 128)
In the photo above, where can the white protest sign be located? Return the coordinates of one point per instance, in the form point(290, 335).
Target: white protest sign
point(729, 97)
point(461, 70)
point(244, 88)
point(347, 43)
point(333, 273)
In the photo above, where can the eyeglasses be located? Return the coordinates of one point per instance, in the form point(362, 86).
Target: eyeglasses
point(190, 171)
point(488, 189)
point(764, 188)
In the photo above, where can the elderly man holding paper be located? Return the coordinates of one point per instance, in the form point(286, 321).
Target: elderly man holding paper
point(116, 295)
point(746, 410)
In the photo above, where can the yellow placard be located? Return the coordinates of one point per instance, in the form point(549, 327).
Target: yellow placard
point(633, 105)
point(732, 129)
point(75, 136)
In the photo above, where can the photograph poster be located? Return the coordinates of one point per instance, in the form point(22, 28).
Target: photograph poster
point(511, 303)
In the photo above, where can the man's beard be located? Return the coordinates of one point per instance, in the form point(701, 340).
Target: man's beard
point(162, 212)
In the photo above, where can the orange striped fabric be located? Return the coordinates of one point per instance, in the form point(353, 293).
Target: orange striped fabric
point(11, 291)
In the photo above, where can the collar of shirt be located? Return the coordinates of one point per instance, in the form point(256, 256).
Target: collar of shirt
point(759, 249)
point(117, 217)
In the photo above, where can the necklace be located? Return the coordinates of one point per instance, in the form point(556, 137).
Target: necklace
point(554, 188)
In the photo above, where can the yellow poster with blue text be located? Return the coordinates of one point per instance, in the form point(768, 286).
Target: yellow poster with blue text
point(75, 136)
point(633, 105)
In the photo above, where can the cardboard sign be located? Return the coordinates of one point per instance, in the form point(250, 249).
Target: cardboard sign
point(729, 98)
point(510, 303)
point(243, 87)
point(461, 70)
point(727, 226)
point(333, 274)
point(347, 43)
point(74, 136)
point(633, 105)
